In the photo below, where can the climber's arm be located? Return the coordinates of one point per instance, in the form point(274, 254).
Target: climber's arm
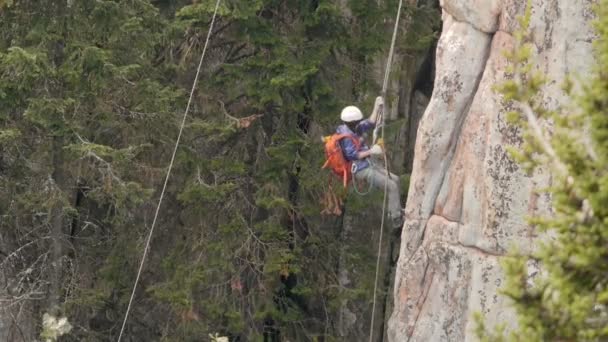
point(351, 154)
point(363, 154)
point(378, 108)
point(374, 151)
point(349, 149)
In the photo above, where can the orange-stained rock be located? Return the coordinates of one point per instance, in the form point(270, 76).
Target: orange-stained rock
point(468, 200)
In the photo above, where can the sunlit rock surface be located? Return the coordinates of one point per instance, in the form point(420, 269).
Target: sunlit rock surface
point(468, 200)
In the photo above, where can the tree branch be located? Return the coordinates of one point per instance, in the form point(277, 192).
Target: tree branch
point(538, 133)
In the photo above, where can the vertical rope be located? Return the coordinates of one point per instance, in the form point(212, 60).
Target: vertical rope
point(162, 194)
point(387, 72)
point(389, 62)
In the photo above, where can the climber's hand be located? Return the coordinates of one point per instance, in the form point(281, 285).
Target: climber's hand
point(379, 102)
point(375, 150)
point(378, 108)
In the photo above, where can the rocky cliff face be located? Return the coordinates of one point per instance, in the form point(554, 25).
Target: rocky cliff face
point(468, 200)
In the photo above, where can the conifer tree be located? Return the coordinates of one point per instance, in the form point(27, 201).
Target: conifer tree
point(83, 113)
point(567, 300)
point(91, 96)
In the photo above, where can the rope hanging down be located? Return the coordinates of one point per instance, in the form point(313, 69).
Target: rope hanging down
point(387, 73)
point(162, 193)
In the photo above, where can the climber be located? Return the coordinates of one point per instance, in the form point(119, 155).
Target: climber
point(363, 168)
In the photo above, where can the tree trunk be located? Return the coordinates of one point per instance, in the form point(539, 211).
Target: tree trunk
point(57, 224)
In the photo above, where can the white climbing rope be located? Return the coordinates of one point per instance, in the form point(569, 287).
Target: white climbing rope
point(162, 194)
point(387, 73)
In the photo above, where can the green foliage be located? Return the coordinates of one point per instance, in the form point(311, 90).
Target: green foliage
point(201, 193)
point(91, 98)
point(568, 300)
point(422, 30)
point(8, 135)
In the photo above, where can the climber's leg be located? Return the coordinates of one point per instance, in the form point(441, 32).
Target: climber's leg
point(378, 177)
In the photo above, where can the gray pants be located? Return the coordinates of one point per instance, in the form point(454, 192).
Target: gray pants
point(376, 175)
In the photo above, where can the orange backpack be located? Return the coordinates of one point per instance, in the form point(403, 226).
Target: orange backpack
point(335, 158)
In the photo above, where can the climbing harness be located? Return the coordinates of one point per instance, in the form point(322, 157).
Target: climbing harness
point(369, 180)
point(387, 72)
point(162, 193)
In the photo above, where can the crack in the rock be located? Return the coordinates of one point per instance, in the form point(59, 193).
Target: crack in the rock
point(456, 135)
point(456, 139)
point(424, 296)
point(470, 23)
point(477, 249)
point(445, 218)
point(449, 159)
point(420, 239)
point(460, 244)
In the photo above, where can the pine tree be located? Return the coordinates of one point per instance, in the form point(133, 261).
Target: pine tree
point(91, 96)
point(567, 301)
point(83, 114)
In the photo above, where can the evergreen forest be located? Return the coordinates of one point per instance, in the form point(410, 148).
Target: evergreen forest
point(92, 94)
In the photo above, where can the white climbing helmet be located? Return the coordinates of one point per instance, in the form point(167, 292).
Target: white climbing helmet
point(351, 113)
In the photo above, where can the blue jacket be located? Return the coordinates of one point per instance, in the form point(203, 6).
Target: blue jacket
point(348, 147)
